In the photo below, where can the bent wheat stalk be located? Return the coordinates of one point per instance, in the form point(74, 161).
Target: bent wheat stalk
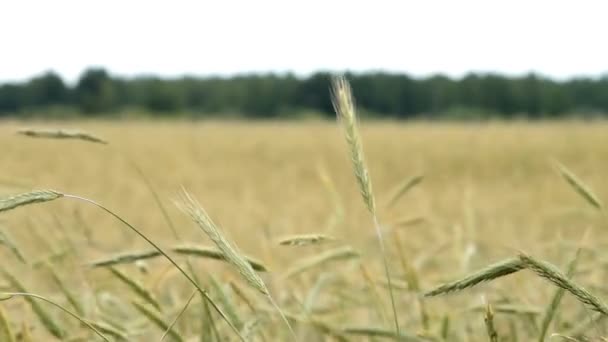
point(491, 272)
point(31, 296)
point(554, 275)
point(49, 195)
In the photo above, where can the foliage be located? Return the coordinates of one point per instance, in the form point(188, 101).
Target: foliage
point(475, 96)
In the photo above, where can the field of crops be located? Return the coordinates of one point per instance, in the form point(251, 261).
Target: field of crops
point(450, 199)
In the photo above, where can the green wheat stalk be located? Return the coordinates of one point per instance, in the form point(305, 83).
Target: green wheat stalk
point(344, 106)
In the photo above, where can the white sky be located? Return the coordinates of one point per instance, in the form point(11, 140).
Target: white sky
point(169, 38)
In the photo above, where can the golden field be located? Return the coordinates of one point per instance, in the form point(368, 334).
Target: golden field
point(490, 191)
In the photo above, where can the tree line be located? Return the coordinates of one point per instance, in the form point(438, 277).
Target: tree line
point(98, 93)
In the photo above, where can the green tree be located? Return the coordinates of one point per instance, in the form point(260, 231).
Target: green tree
point(95, 92)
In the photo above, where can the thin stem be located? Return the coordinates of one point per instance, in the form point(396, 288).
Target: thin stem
point(9, 295)
point(178, 315)
point(276, 306)
point(181, 270)
point(387, 272)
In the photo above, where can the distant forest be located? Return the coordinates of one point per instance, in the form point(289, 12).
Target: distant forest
point(98, 93)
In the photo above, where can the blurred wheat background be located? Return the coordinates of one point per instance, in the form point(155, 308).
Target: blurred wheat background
point(489, 191)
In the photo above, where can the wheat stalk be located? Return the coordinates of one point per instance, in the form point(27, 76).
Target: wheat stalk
point(37, 196)
point(305, 239)
point(344, 105)
point(118, 334)
point(302, 265)
point(196, 212)
point(49, 195)
point(578, 186)
point(125, 258)
point(5, 328)
point(554, 275)
point(71, 297)
point(45, 317)
point(403, 189)
point(231, 254)
point(179, 315)
point(136, 287)
point(557, 297)
point(155, 318)
point(213, 253)
point(372, 332)
point(491, 272)
point(488, 319)
point(57, 333)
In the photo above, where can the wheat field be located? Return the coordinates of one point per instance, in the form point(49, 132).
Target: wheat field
point(283, 194)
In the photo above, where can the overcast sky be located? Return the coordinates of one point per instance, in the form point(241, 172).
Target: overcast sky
point(559, 39)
